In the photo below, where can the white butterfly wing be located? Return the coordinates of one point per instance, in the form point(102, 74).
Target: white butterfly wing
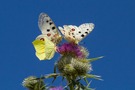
point(87, 27)
point(48, 28)
point(84, 30)
point(66, 31)
point(45, 23)
point(75, 34)
point(73, 31)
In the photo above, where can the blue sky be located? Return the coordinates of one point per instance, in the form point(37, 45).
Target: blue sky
point(113, 37)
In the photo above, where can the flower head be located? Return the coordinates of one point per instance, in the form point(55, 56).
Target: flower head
point(69, 65)
point(72, 49)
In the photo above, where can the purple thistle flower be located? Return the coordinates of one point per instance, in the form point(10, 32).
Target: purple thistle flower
point(79, 54)
point(56, 88)
point(61, 49)
point(70, 48)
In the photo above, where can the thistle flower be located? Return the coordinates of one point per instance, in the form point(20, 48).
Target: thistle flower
point(32, 83)
point(81, 66)
point(63, 63)
point(84, 51)
point(56, 88)
point(69, 65)
point(73, 50)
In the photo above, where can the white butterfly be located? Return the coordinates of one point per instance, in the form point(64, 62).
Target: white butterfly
point(75, 34)
point(48, 29)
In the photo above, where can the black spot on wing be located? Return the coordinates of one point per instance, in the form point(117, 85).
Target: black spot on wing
point(51, 23)
point(82, 35)
point(53, 28)
point(79, 32)
point(47, 21)
point(86, 32)
point(48, 30)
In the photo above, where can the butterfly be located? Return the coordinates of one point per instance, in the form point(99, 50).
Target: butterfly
point(46, 43)
point(45, 49)
point(75, 34)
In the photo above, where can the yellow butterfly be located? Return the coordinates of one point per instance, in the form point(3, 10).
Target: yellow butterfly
point(45, 49)
point(45, 44)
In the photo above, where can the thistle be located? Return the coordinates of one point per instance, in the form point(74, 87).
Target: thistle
point(69, 65)
point(32, 83)
point(73, 64)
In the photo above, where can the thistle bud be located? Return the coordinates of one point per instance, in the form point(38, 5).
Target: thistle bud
point(69, 65)
point(32, 83)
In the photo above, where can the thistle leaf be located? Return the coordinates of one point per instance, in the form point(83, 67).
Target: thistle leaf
point(88, 85)
point(92, 76)
point(85, 79)
point(52, 75)
point(94, 59)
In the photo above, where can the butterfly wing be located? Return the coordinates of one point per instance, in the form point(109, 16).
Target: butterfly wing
point(76, 34)
point(45, 49)
point(66, 31)
point(83, 30)
point(48, 28)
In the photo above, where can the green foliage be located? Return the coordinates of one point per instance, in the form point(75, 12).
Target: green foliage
point(73, 70)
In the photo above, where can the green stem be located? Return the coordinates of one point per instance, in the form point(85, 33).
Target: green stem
point(70, 83)
point(71, 86)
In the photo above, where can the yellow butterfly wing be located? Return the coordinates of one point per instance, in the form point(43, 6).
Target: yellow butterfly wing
point(45, 50)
